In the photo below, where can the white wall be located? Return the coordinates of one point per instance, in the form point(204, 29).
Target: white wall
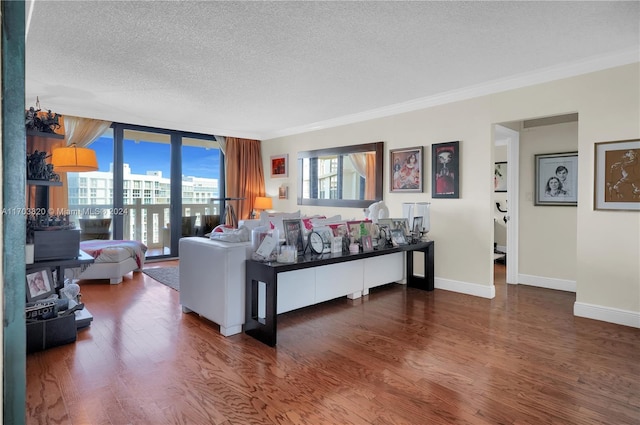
point(607, 242)
point(547, 233)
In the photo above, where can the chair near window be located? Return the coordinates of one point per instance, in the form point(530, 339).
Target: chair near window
point(95, 228)
point(191, 226)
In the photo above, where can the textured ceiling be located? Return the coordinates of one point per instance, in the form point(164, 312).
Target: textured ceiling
point(263, 69)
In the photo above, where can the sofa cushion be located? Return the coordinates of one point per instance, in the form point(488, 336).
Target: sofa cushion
point(276, 219)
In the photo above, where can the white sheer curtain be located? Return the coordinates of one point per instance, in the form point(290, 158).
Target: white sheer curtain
point(365, 165)
point(83, 131)
point(359, 161)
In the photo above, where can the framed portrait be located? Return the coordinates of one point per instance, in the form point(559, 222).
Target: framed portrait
point(445, 180)
point(279, 165)
point(500, 177)
point(406, 169)
point(557, 179)
point(40, 284)
point(617, 175)
point(293, 233)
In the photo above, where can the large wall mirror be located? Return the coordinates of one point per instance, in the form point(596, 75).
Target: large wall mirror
point(345, 176)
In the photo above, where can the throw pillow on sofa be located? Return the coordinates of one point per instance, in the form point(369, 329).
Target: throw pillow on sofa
point(227, 234)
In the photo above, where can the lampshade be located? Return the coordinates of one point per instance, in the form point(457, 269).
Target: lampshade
point(263, 203)
point(74, 159)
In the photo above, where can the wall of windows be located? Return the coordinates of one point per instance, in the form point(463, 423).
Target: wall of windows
point(149, 179)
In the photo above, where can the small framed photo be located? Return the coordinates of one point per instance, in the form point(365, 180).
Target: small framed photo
point(617, 175)
point(557, 179)
point(293, 233)
point(279, 165)
point(355, 228)
point(417, 225)
point(406, 169)
point(40, 285)
point(367, 243)
point(445, 181)
point(397, 237)
point(396, 223)
point(500, 177)
point(283, 192)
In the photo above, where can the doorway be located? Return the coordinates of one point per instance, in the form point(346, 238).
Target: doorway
point(508, 212)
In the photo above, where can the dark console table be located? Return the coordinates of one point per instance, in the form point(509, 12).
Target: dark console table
point(265, 329)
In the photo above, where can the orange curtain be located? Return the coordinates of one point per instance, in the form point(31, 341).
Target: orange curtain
point(370, 178)
point(244, 174)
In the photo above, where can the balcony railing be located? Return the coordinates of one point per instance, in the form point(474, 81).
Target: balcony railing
point(147, 223)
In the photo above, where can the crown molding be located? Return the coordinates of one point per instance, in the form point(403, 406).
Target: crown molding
point(584, 66)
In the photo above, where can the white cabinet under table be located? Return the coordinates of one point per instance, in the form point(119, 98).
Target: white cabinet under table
point(312, 280)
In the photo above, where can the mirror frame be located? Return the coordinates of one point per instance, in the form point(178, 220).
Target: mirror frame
point(377, 147)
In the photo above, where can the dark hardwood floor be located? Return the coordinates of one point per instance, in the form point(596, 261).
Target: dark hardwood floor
point(397, 356)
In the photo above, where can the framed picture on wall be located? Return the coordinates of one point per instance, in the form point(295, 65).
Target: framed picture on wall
point(617, 175)
point(280, 165)
point(445, 170)
point(557, 179)
point(500, 177)
point(406, 169)
point(283, 192)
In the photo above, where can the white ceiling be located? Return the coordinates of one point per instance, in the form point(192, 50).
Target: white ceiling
point(264, 69)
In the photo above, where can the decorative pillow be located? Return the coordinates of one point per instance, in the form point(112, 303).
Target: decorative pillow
point(322, 221)
point(228, 234)
point(276, 219)
point(307, 222)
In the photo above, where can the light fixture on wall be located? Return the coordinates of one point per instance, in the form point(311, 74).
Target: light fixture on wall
point(74, 159)
point(261, 203)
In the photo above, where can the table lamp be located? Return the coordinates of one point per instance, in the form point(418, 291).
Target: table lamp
point(261, 203)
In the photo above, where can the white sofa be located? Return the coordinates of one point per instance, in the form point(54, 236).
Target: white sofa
point(212, 281)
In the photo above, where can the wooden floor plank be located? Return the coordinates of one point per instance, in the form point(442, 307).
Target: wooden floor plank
point(396, 356)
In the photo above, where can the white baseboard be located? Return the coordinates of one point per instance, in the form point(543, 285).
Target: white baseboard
point(484, 291)
point(548, 282)
point(607, 314)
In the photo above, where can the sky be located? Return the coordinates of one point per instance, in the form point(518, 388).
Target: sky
point(144, 156)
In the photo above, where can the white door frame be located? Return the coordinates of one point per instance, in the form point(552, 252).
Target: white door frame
point(504, 135)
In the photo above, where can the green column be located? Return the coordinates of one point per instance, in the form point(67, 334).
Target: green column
point(13, 196)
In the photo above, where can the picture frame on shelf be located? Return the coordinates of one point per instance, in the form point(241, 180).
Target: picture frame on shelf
point(617, 185)
point(385, 234)
point(354, 228)
point(367, 243)
point(293, 234)
point(500, 171)
point(406, 169)
point(40, 284)
point(417, 225)
point(445, 179)
point(396, 223)
point(279, 166)
point(556, 179)
point(398, 237)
